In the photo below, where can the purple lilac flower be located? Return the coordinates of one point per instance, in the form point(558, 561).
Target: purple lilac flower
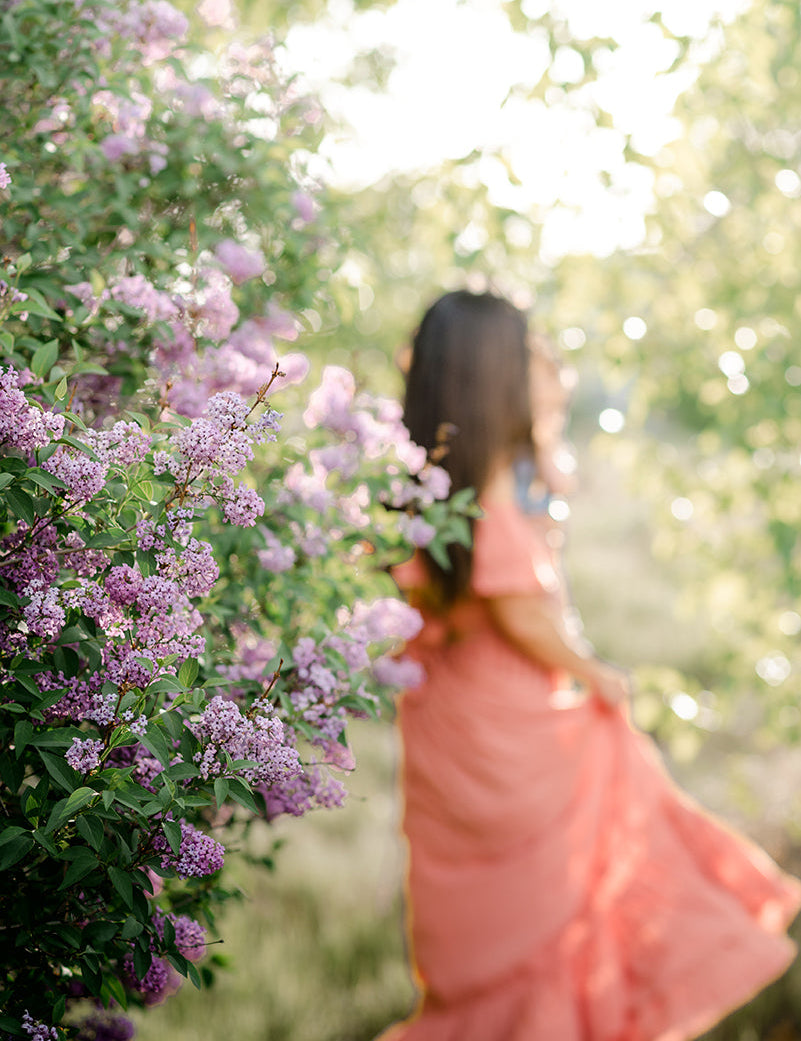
point(123, 444)
point(153, 26)
point(240, 263)
point(31, 560)
point(86, 563)
point(307, 488)
point(195, 569)
point(304, 206)
point(84, 477)
point(93, 600)
point(216, 13)
point(123, 584)
point(302, 792)
point(223, 730)
point(386, 618)
point(199, 854)
point(254, 656)
point(126, 667)
point(205, 445)
point(5, 177)
point(276, 557)
point(417, 530)
point(24, 426)
point(78, 697)
point(136, 291)
point(36, 1030)
point(342, 459)
point(330, 406)
point(84, 756)
point(215, 311)
point(167, 621)
point(404, 673)
point(104, 1026)
point(43, 613)
point(159, 982)
point(435, 482)
point(241, 505)
point(190, 937)
point(58, 119)
point(115, 146)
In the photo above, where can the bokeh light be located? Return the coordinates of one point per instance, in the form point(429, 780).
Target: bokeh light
point(611, 420)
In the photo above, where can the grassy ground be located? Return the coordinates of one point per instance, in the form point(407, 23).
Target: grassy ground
point(316, 950)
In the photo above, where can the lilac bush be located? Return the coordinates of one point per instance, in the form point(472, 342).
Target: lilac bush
point(194, 588)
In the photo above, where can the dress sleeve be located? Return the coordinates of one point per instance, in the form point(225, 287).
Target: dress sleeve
point(509, 556)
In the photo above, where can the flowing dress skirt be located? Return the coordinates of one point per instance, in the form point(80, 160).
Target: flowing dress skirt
point(560, 886)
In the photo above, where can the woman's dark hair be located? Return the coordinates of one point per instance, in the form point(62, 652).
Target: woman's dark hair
point(468, 386)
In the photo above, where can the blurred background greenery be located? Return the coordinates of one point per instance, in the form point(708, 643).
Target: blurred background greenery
point(682, 316)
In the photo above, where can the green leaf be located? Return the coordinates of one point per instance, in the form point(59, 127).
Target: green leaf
point(21, 505)
point(79, 446)
point(113, 990)
point(121, 881)
point(23, 732)
point(36, 304)
point(173, 724)
point(142, 961)
point(131, 928)
point(172, 830)
point(15, 842)
point(91, 829)
point(46, 480)
point(98, 933)
point(155, 742)
point(61, 389)
point(220, 790)
point(62, 737)
point(45, 842)
point(61, 771)
point(242, 794)
point(187, 674)
point(83, 862)
point(67, 808)
point(167, 684)
point(44, 358)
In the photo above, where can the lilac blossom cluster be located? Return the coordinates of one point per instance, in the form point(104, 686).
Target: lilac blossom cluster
point(84, 755)
point(105, 1026)
point(84, 472)
point(5, 176)
point(23, 426)
point(367, 430)
point(199, 854)
point(154, 27)
point(258, 736)
point(215, 446)
point(36, 1030)
point(159, 982)
point(242, 361)
point(311, 789)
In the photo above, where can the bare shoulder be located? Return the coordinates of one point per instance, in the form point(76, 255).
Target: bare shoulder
point(500, 488)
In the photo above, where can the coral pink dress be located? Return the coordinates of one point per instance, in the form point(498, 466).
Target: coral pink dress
point(560, 887)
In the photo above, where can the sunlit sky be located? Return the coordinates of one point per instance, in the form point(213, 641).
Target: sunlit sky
point(448, 94)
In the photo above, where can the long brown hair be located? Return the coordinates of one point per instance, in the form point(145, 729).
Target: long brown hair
point(468, 379)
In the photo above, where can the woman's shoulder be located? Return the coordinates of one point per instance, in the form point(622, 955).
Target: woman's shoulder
point(510, 554)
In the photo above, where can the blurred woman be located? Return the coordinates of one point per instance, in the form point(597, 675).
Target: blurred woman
point(560, 887)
